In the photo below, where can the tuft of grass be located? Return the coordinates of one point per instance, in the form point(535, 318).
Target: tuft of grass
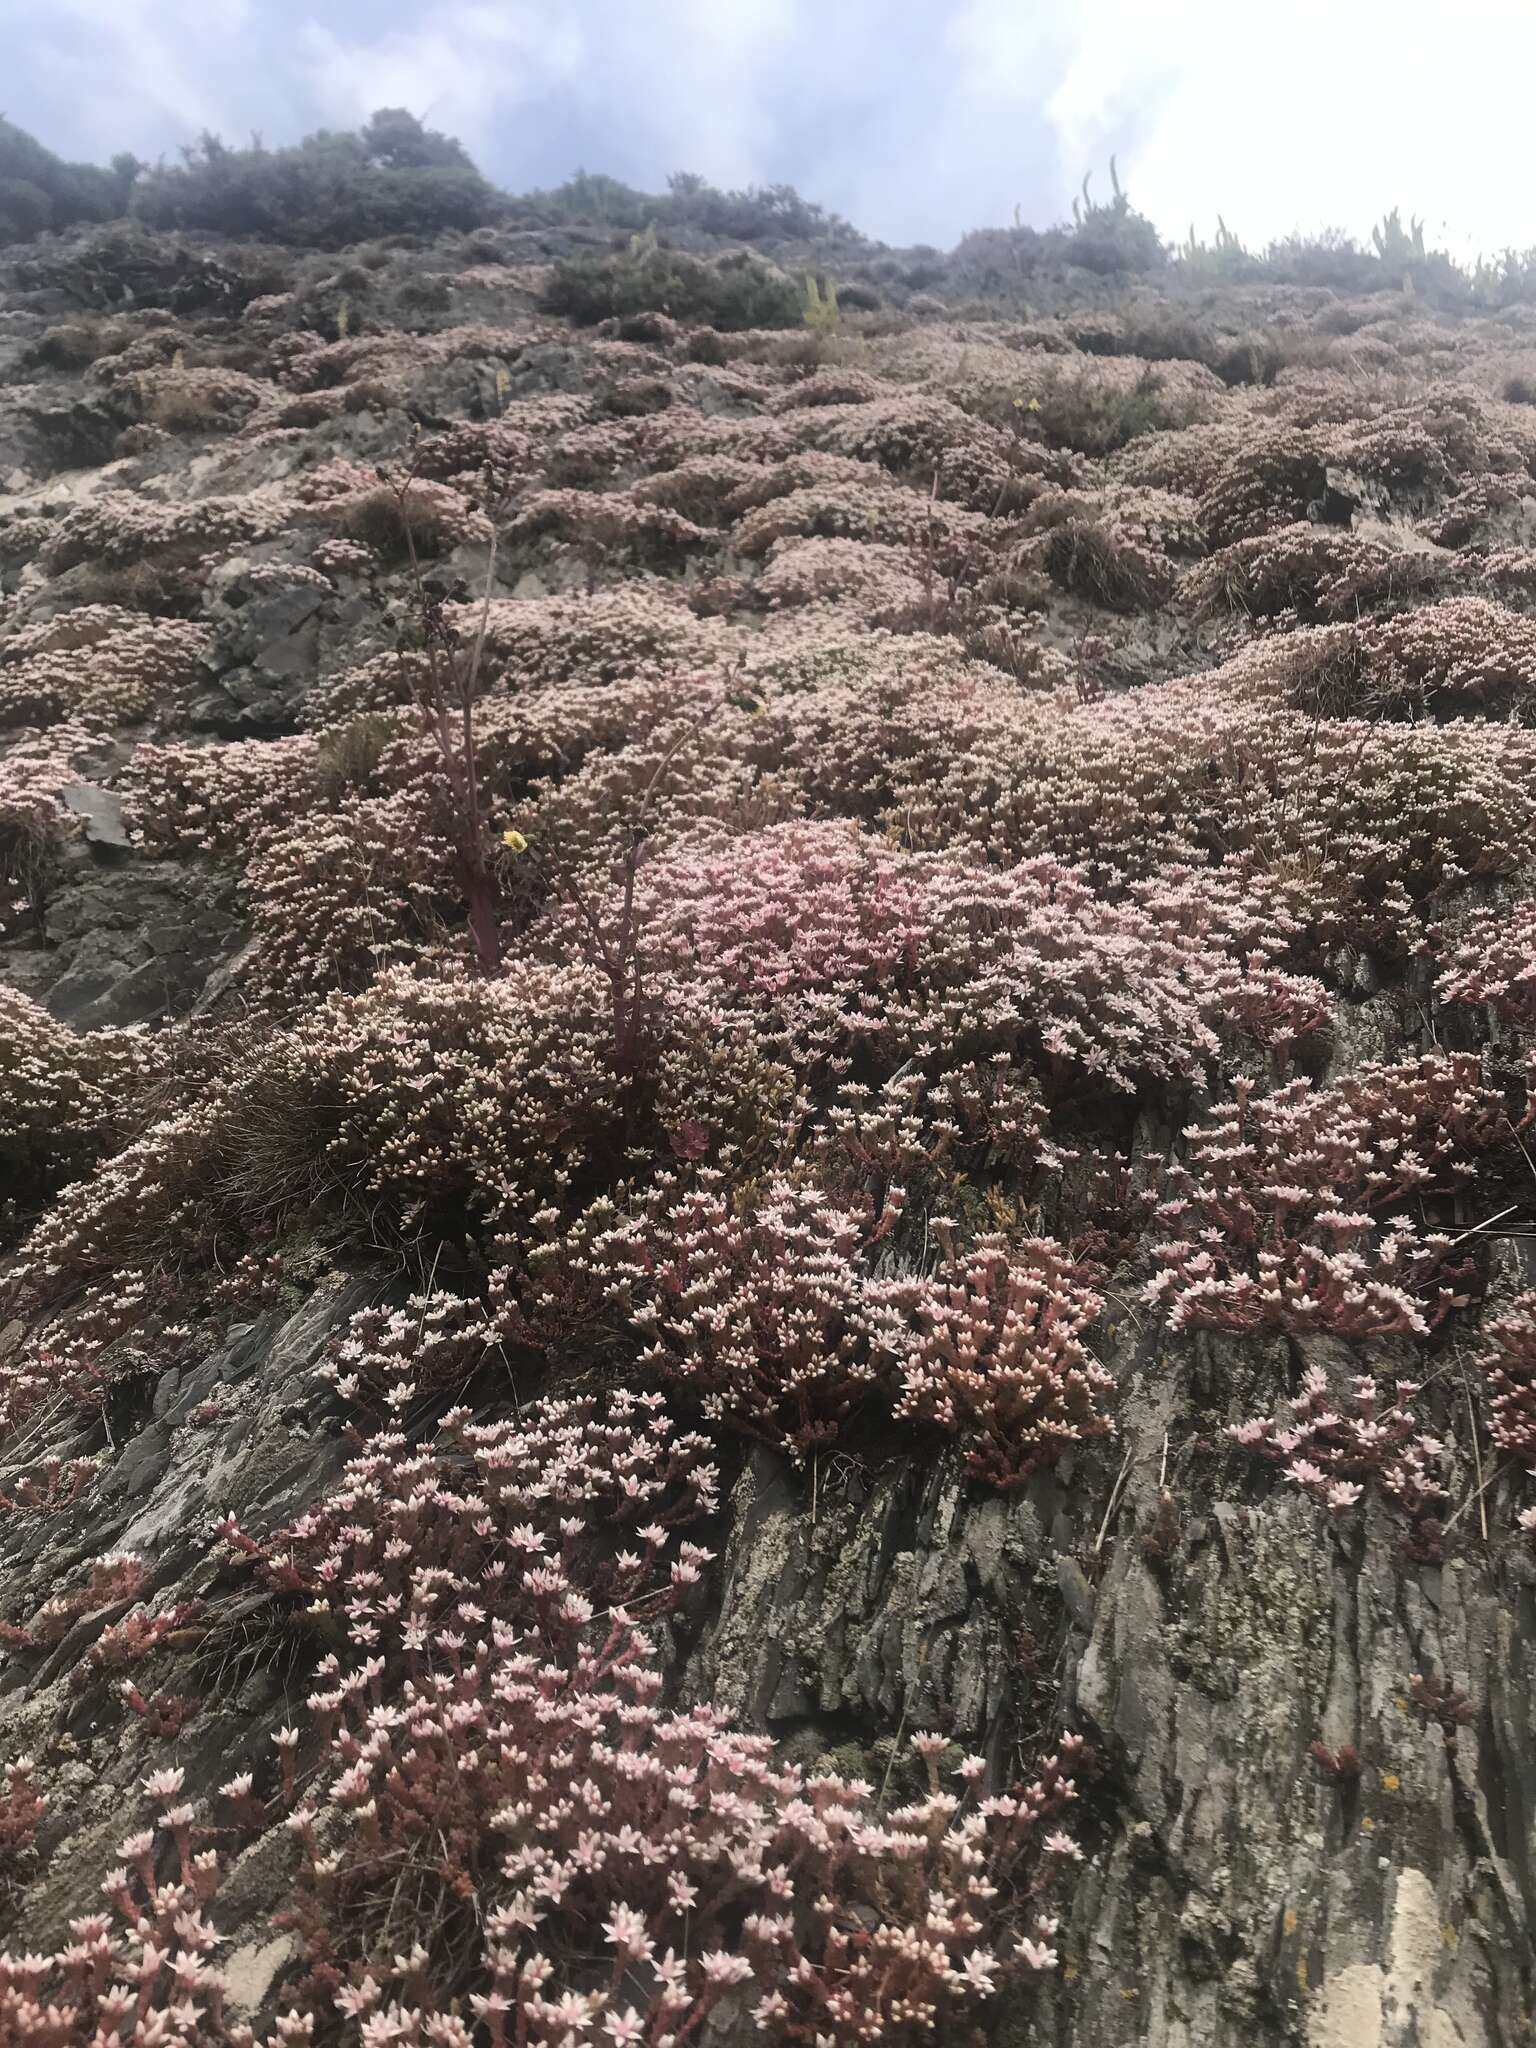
point(1088, 560)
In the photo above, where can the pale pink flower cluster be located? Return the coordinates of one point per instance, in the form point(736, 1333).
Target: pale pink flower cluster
point(771, 1316)
point(123, 527)
point(35, 770)
point(1304, 1209)
point(1267, 483)
point(22, 1806)
point(1462, 654)
point(1333, 1447)
point(98, 662)
point(419, 1092)
point(142, 1972)
point(64, 1095)
point(113, 1578)
point(1299, 571)
point(1508, 571)
point(834, 944)
point(1491, 959)
point(1474, 511)
point(201, 398)
point(497, 1710)
point(610, 521)
point(183, 798)
point(603, 638)
point(1342, 826)
point(883, 583)
point(339, 895)
point(916, 436)
point(839, 499)
point(1510, 1366)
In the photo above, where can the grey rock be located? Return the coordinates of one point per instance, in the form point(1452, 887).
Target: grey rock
point(101, 813)
point(129, 939)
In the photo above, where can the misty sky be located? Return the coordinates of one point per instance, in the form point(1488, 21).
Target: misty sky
point(915, 118)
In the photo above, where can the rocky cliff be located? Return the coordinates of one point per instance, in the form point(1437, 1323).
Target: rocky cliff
point(766, 1154)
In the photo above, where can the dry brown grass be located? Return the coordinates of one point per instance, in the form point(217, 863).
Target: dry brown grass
point(1088, 560)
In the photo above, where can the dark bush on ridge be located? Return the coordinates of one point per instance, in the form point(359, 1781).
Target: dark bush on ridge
point(39, 190)
point(765, 213)
point(393, 177)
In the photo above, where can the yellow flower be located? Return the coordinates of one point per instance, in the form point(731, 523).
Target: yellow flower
point(1034, 405)
point(514, 842)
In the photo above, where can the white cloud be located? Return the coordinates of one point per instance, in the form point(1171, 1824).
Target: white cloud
point(699, 84)
point(129, 70)
point(1327, 116)
point(461, 68)
point(916, 118)
point(707, 79)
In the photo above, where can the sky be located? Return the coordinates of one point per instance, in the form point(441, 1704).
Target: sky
point(916, 119)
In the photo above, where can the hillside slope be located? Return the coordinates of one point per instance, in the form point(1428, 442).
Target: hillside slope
point(765, 1156)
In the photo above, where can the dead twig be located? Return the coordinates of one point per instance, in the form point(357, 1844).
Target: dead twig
point(1115, 1493)
point(1477, 1457)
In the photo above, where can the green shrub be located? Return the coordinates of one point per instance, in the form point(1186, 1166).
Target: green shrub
point(732, 293)
point(392, 177)
point(990, 262)
point(1224, 260)
point(765, 213)
point(39, 190)
point(1096, 416)
point(1330, 259)
point(768, 213)
point(1089, 560)
point(593, 196)
point(24, 210)
point(1112, 238)
point(69, 345)
point(1510, 279)
point(426, 295)
point(124, 264)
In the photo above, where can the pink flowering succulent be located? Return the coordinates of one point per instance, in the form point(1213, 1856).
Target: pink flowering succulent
point(833, 942)
point(35, 770)
point(1491, 959)
point(1290, 1212)
point(503, 1594)
point(774, 1320)
point(1331, 1449)
point(1509, 1364)
point(997, 1356)
point(65, 1096)
point(762, 1007)
point(99, 662)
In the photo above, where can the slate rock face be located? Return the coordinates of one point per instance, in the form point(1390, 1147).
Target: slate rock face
point(1236, 1891)
point(270, 629)
point(128, 944)
point(240, 1434)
